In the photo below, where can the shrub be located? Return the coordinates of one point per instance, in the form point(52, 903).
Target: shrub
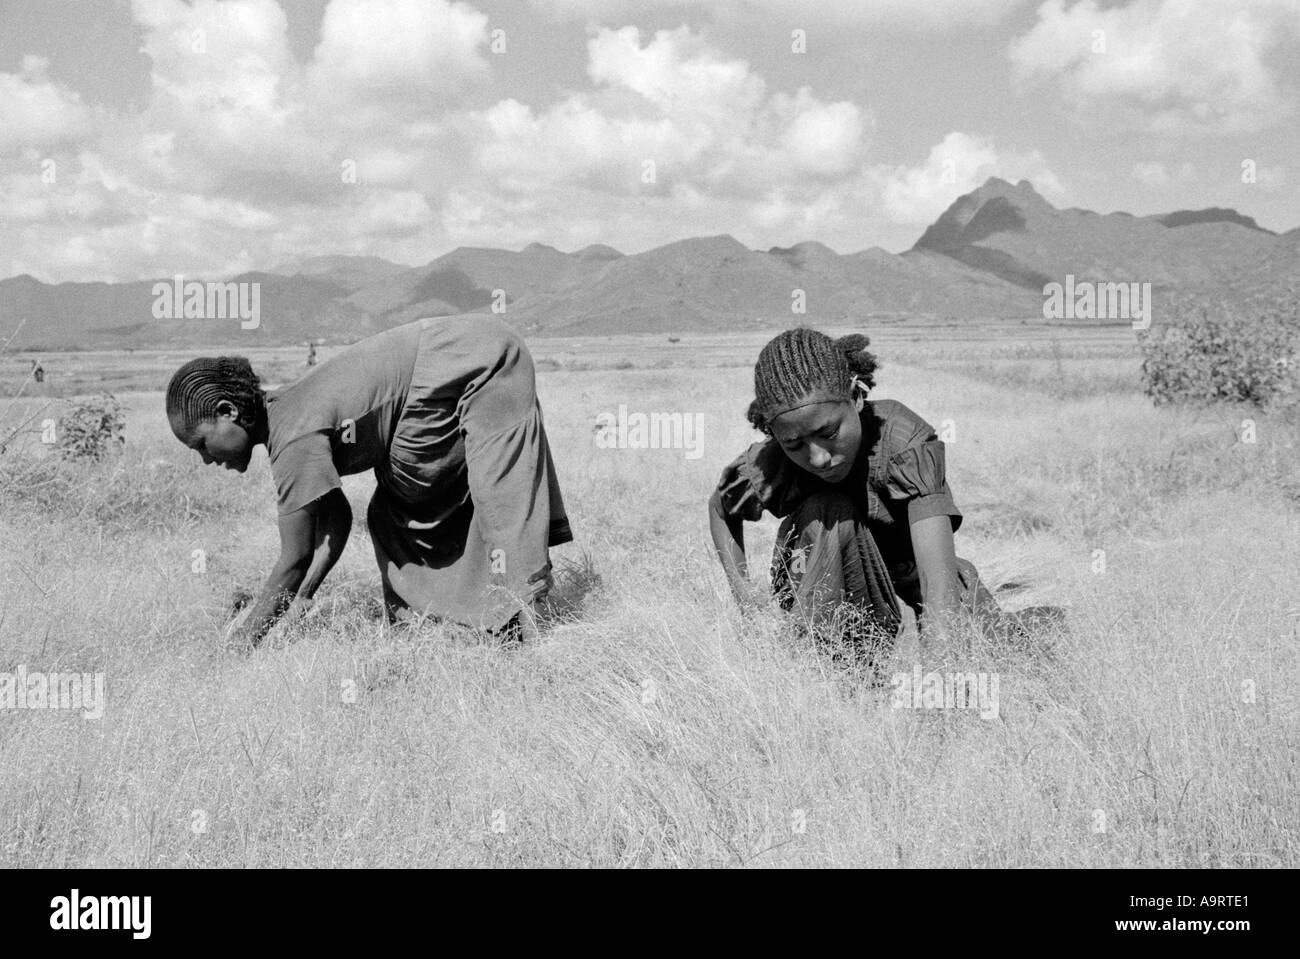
point(1207, 351)
point(90, 429)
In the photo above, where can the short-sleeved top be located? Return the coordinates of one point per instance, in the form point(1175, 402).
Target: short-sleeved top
point(902, 480)
point(339, 419)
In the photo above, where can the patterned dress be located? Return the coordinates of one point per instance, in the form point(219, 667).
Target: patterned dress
point(849, 543)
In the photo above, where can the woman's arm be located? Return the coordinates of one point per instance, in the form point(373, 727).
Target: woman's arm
point(286, 576)
point(333, 526)
point(311, 541)
point(936, 565)
point(728, 534)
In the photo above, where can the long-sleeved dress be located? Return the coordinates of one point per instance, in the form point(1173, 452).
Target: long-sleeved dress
point(445, 411)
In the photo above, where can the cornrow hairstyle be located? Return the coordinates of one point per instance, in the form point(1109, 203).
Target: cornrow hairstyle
point(200, 385)
point(801, 361)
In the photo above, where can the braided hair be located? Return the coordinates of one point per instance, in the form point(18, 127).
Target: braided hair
point(799, 362)
point(200, 385)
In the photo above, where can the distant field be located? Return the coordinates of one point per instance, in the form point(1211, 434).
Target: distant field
point(653, 725)
point(1081, 345)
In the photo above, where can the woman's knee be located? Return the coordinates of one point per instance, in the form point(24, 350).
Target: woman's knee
point(967, 572)
point(975, 596)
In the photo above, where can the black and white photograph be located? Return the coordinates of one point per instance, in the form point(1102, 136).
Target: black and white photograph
point(646, 434)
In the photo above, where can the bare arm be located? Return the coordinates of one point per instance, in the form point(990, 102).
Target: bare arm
point(728, 534)
point(936, 565)
point(311, 541)
point(332, 528)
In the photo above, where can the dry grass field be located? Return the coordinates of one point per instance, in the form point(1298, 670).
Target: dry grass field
point(651, 724)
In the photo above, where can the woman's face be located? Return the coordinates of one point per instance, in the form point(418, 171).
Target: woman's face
point(221, 440)
point(822, 437)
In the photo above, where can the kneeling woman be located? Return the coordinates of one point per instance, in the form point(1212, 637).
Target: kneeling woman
point(861, 486)
point(445, 411)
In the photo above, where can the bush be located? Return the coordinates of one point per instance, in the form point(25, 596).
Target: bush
point(91, 429)
point(1208, 351)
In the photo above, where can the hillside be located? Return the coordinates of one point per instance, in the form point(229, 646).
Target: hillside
point(292, 309)
point(988, 255)
point(1012, 232)
point(349, 272)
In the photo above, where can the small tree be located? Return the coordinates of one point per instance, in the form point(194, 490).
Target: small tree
point(1211, 351)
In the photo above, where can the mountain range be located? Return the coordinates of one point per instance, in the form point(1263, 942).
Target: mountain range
point(988, 255)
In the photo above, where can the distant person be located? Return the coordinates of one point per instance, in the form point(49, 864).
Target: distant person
point(311, 354)
point(445, 412)
point(38, 371)
point(861, 488)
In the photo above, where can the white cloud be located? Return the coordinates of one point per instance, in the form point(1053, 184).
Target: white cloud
point(399, 47)
point(905, 14)
point(236, 159)
point(1158, 175)
point(701, 119)
point(1173, 65)
point(226, 100)
point(35, 112)
point(233, 111)
point(677, 73)
point(231, 214)
point(222, 62)
point(957, 165)
point(821, 138)
point(393, 211)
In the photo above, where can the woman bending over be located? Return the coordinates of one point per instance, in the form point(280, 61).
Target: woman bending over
point(445, 412)
point(861, 488)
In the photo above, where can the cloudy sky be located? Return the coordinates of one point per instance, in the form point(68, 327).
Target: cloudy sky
point(142, 138)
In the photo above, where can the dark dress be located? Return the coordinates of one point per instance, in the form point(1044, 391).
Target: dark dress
point(849, 544)
point(445, 411)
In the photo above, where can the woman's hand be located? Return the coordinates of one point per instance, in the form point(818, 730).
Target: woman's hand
point(239, 636)
point(750, 597)
point(235, 636)
point(240, 597)
point(311, 541)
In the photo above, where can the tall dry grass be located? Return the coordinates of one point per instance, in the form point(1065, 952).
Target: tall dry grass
point(653, 725)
